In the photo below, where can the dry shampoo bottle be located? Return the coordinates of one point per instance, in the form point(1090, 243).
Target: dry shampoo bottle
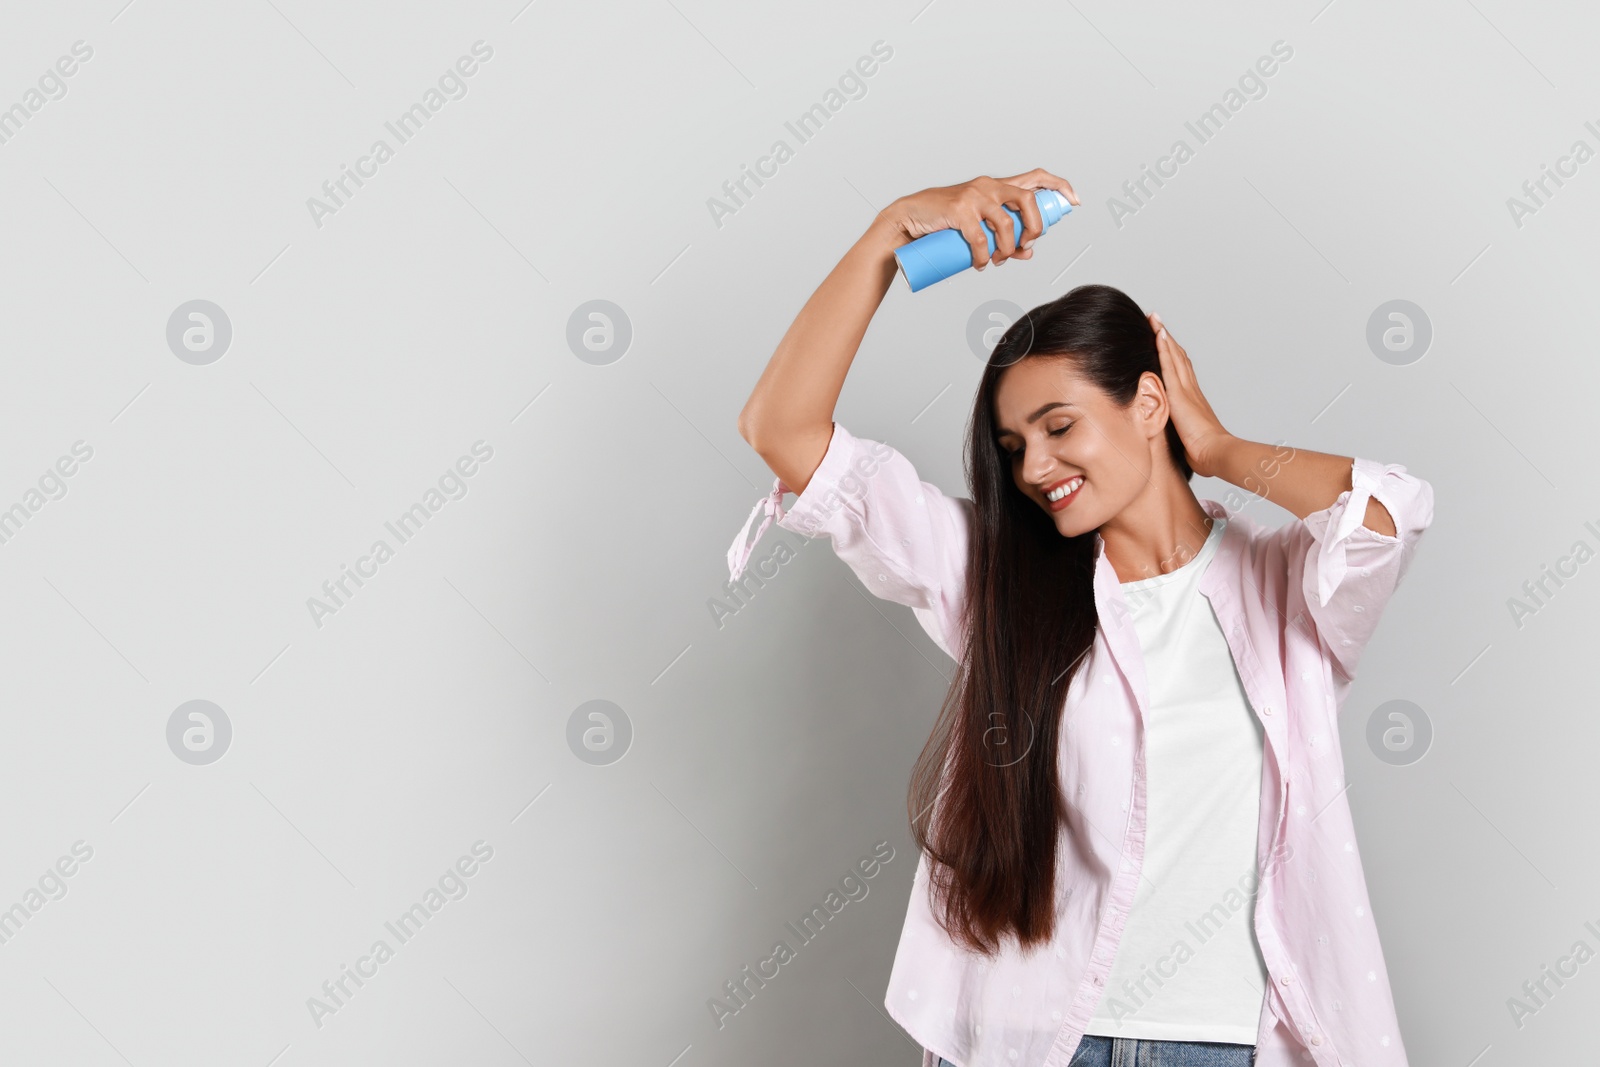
point(936, 256)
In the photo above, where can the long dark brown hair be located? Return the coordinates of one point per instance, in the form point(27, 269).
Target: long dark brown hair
point(985, 800)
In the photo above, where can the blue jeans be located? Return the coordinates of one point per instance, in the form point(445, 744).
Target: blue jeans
point(1096, 1051)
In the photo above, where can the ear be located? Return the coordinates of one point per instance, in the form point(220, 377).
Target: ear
point(1150, 403)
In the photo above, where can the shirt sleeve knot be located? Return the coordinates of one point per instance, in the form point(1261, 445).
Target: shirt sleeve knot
point(744, 544)
point(1331, 555)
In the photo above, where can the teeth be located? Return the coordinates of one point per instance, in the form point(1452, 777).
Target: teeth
point(1064, 490)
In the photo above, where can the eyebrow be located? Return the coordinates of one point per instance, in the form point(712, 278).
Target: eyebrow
point(1037, 415)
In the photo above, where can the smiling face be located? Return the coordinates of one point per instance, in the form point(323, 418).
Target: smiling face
point(1062, 433)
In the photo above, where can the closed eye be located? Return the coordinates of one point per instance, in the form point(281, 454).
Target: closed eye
point(1015, 452)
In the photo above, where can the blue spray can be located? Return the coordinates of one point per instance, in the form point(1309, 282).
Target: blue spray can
point(936, 256)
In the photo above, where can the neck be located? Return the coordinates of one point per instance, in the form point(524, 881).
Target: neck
point(1161, 530)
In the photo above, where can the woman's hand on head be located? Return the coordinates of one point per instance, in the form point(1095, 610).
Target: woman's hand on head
point(1198, 427)
point(966, 206)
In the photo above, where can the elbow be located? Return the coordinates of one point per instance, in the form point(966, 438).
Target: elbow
point(759, 429)
point(775, 434)
point(747, 428)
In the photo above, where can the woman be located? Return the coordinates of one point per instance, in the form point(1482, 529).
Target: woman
point(1136, 845)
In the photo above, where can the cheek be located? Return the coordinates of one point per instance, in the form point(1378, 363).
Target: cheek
point(1104, 447)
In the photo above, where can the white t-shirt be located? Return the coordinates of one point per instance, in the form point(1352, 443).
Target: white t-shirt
point(1188, 967)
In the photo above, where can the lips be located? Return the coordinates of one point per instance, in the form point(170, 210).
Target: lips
point(1057, 505)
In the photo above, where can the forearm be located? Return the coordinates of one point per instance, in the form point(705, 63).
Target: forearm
point(789, 416)
point(793, 402)
point(1296, 479)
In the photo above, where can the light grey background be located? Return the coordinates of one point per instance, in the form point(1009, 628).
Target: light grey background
point(770, 752)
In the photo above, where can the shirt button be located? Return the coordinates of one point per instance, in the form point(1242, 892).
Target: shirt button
point(1267, 710)
point(1357, 607)
point(1316, 1039)
point(882, 578)
point(1285, 980)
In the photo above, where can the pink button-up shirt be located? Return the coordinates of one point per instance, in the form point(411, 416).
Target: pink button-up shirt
point(1297, 605)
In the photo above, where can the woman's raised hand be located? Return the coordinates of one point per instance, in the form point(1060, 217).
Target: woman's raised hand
point(1198, 427)
point(966, 206)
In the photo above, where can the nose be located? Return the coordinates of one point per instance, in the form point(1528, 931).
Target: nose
point(1037, 465)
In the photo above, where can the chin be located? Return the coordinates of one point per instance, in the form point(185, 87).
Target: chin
point(1073, 525)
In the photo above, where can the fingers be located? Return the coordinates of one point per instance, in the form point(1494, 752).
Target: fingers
point(1163, 335)
point(1005, 239)
point(1157, 327)
point(1028, 205)
point(972, 230)
point(1039, 178)
point(1178, 378)
point(1164, 342)
point(983, 202)
point(1172, 342)
point(1173, 354)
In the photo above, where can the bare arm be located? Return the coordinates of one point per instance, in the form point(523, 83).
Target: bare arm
point(1296, 479)
point(789, 416)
